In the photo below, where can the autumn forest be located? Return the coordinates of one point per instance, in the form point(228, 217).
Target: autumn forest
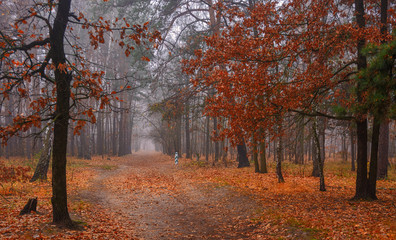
point(202, 119)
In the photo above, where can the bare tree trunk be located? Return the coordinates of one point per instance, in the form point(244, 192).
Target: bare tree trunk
point(207, 141)
point(383, 161)
point(187, 131)
point(43, 163)
point(81, 146)
point(315, 159)
point(299, 159)
point(243, 160)
point(319, 156)
point(121, 134)
point(353, 150)
point(255, 156)
point(279, 159)
point(88, 143)
point(114, 136)
point(263, 160)
point(100, 135)
point(372, 181)
point(59, 192)
point(216, 143)
point(344, 147)
point(361, 122)
point(224, 154)
point(179, 134)
point(383, 150)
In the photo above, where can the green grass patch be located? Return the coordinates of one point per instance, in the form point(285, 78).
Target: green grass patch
point(78, 164)
point(199, 164)
point(107, 167)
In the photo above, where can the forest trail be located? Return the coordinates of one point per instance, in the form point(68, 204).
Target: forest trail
point(154, 199)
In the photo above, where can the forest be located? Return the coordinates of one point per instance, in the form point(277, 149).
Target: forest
point(201, 119)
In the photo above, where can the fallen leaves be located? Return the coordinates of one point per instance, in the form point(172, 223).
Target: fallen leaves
point(331, 214)
point(147, 193)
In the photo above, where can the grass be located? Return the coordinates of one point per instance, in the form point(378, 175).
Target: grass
point(108, 167)
point(199, 163)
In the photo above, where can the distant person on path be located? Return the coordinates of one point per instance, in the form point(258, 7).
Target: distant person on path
point(176, 158)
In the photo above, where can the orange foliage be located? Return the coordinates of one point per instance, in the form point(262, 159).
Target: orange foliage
point(277, 57)
point(23, 69)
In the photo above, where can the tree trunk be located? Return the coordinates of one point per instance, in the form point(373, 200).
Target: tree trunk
point(383, 161)
point(129, 134)
point(361, 173)
point(179, 134)
point(87, 144)
point(383, 150)
point(353, 150)
point(81, 145)
point(30, 206)
point(300, 141)
point(61, 121)
point(361, 119)
point(187, 131)
point(207, 140)
point(216, 142)
point(279, 157)
point(43, 163)
point(319, 156)
point(263, 160)
point(315, 159)
point(372, 181)
point(100, 135)
point(255, 156)
point(121, 133)
point(344, 148)
point(225, 152)
point(322, 138)
point(243, 160)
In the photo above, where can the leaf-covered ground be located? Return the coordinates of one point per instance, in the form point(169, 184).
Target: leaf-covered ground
point(144, 196)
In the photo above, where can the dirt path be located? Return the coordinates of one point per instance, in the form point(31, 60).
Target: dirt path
point(155, 200)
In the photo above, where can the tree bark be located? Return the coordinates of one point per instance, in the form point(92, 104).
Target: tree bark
point(279, 157)
point(216, 142)
point(263, 159)
point(100, 135)
point(114, 135)
point(361, 119)
point(207, 140)
point(372, 181)
point(319, 156)
point(383, 161)
point(255, 156)
point(243, 160)
point(383, 150)
point(187, 131)
point(299, 159)
point(121, 133)
point(61, 122)
point(353, 150)
point(315, 159)
point(179, 133)
point(43, 163)
point(30, 206)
